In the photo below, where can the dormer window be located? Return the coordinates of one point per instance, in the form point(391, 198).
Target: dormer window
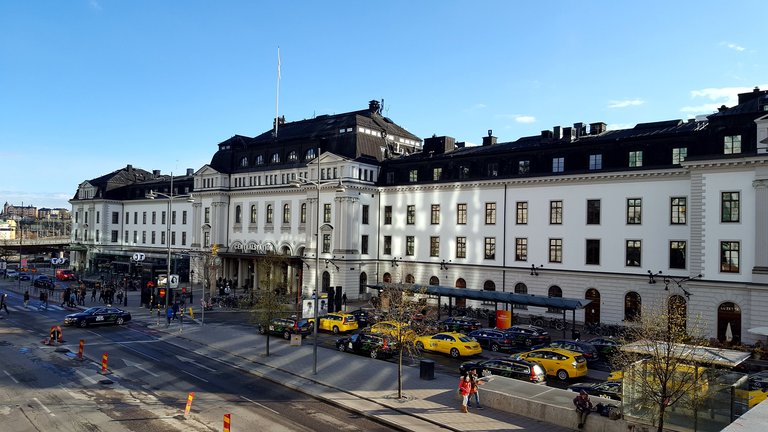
point(275, 158)
point(310, 154)
point(260, 160)
point(244, 162)
point(292, 156)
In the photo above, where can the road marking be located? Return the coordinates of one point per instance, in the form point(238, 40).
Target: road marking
point(10, 376)
point(143, 354)
point(261, 405)
point(44, 407)
point(86, 377)
point(189, 360)
point(140, 367)
point(191, 374)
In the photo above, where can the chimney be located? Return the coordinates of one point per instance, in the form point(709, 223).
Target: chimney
point(744, 97)
point(557, 132)
point(279, 120)
point(374, 106)
point(155, 173)
point(490, 139)
point(190, 171)
point(129, 168)
point(597, 128)
point(546, 134)
point(438, 144)
point(579, 129)
point(568, 134)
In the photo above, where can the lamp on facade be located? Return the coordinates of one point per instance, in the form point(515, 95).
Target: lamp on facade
point(534, 271)
point(679, 281)
point(395, 261)
point(444, 265)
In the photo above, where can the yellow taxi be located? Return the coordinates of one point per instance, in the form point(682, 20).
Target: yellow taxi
point(756, 391)
point(337, 322)
point(394, 329)
point(455, 344)
point(557, 362)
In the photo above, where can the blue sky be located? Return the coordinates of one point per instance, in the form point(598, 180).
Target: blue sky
point(89, 86)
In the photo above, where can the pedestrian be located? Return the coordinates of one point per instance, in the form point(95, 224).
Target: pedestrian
point(465, 386)
point(3, 305)
point(64, 297)
point(26, 298)
point(93, 294)
point(344, 301)
point(175, 309)
point(473, 391)
point(72, 299)
point(168, 315)
point(44, 298)
point(583, 407)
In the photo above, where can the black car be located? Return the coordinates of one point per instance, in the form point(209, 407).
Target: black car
point(460, 324)
point(98, 315)
point(524, 370)
point(43, 282)
point(286, 327)
point(493, 339)
point(528, 335)
point(608, 389)
point(605, 346)
point(370, 344)
point(585, 349)
point(363, 317)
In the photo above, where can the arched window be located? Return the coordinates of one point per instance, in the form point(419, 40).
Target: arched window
point(520, 288)
point(632, 306)
point(286, 214)
point(303, 213)
point(260, 160)
point(461, 302)
point(678, 313)
point(269, 213)
point(729, 323)
point(410, 279)
point(489, 285)
point(592, 310)
point(253, 213)
point(363, 282)
point(275, 158)
point(555, 291)
point(387, 278)
point(434, 280)
point(292, 156)
point(244, 161)
point(326, 281)
point(310, 154)
point(238, 214)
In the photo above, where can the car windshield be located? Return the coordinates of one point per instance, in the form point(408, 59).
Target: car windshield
point(466, 339)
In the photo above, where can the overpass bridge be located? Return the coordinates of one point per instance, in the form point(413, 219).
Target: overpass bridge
point(30, 246)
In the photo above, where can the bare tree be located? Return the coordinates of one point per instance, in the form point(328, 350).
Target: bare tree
point(660, 366)
point(268, 299)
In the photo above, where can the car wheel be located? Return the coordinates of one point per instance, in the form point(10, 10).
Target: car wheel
point(262, 330)
point(120, 321)
point(83, 323)
point(419, 345)
point(562, 375)
point(341, 347)
point(454, 353)
point(495, 347)
point(335, 330)
point(374, 354)
point(287, 335)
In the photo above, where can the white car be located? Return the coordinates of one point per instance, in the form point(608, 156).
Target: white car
point(12, 273)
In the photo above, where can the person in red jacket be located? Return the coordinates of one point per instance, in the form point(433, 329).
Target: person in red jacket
point(465, 387)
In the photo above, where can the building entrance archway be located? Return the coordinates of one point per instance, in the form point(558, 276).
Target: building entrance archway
point(592, 310)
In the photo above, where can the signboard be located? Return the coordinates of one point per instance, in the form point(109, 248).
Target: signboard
point(58, 261)
point(308, 307)
point(138, 257)
point(174, 281)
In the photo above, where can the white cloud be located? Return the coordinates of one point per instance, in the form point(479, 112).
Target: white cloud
point(732, 46)
point(625, 103)
point(525, 119)
point(705, 108)
point(728, 96)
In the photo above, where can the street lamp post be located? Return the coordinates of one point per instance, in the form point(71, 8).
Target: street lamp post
point(170, 197)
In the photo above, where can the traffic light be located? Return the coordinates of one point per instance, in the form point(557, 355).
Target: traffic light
point(162, 292)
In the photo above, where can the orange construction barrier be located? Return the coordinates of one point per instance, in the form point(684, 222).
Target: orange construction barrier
point(104, 358)
point(80, 349)
point(226, 422)
point(189, 403)
point(55, 336)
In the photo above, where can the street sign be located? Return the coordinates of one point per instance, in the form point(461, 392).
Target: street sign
point(58, 261)
point(174, 281)
point(138, 257)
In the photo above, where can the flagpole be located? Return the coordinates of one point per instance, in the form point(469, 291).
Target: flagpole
point(277, 93)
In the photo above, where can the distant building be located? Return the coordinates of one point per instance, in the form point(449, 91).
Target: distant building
point(7, 229)
point(15, 212)
point(53, 213)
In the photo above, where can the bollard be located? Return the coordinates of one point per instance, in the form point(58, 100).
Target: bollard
point(80, 349)
point(60, 334)
point(226, 422)
point(189, 403)
point(104, 363)
point(191, 313)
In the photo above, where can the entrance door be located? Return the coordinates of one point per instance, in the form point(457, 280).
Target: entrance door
point(592, 310)
point(729, 323)
point(461, 302)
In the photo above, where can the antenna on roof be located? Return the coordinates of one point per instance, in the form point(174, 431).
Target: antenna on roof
point(277, 94)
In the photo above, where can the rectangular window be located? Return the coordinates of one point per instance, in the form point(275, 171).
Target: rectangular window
point(490, 248)
point(558, 164)
point(98, 217)
point(410, 245)
point(98, 234)
point(593, 252)
point(633, 253)
point(115, 217)
point(173, 238)
point(326, 243)
point(490, 213)
point(115, 236)
point(521, 249)
point(366, 209)
point(173, 217)
point(635, 158)
point(127, 218)
point(461, 214)
point(183, 217)
point(143, 218)
point(521, 212)
point(154, 237)
point(596, 162)
point(410, 214)
point(555, 250)
point(435, 214)
point(634, 211)
point(555, 212)
point(492, 169)
point(269, 215)
point(678, 210)
point(207, 215)
point(154, 217)
point(732, 144)
point(364, 244)
point(135, 237)
point(390, 178)
point(125, 237)
point(461, 247)
point(413, 176)
point(729, 210)
point(162, 237)
point(593, 212)
point(437, 173)
point(677, 254)
point(523, 167)
point(326, 213)
point(729, 256)
point(162, 218)
point(387, 245)
point(183, 238)
point(387, 215)
point(463, 171)
point(679, 155)
point(434, 246)
point(206, 239)
point(135, 218)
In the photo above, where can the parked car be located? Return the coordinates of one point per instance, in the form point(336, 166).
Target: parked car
point(364, 318)
point(524, 370)
point(98, 315)
point(493, 339)
point(337, 322)
point(587, 350)
point(605, 346)
point(286, 327)
point(12, 273)
point(24, 276)
point(607, 389)
point(557, 362)
point(455, 344)
point(459, 324)
point(528, 335)
point(757, 389)
point(43, 282)
point(370, 344)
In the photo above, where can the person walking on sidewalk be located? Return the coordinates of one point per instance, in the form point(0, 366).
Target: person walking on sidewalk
point(168, 315)
point(465, 386)
point(583, 407)
point(3, 305)
point(26, 298)
point(475, 382)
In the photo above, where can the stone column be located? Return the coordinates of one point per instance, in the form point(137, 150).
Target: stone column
point(760, 270)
